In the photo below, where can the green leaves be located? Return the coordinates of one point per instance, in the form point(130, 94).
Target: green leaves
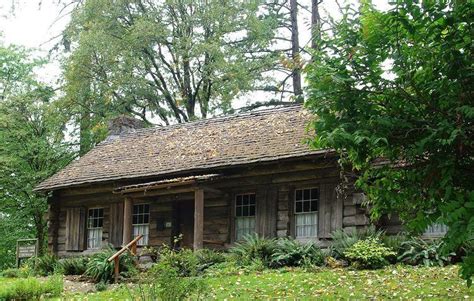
point(397, 86)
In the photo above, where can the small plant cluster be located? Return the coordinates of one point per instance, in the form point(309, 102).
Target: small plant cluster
point(371, 248)
point(274, 253)
point(99, 269)
point(32, 289)
point(369, 253)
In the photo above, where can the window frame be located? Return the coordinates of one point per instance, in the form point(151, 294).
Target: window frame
point(146, 237)
point(90, 229)
point(236, 217)
point(295, 213)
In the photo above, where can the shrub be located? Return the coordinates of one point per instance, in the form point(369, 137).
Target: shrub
point(32, 288)
point(342, 240)
point(74, 265)
point(254, 247)
point(183, 261)
point(207, 258)
point(43, 265)
point(290, 252)
point(165, 283)
point(369, 253)
point(22, 272)
point(394, 242)
point(417, 251)
point(101, 270)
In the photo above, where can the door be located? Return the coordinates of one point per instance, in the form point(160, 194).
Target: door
point(186, 223)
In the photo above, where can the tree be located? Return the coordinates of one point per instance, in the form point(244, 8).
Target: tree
point(393, 94)
point(173, 60)
point(32, 148)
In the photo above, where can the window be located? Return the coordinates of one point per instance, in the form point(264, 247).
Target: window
point(436, 230)
point(244, 215)
point(141, 222)
point(95, 222)
point(306, 213)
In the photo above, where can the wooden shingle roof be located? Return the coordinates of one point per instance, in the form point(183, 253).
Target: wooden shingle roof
point(191, 147)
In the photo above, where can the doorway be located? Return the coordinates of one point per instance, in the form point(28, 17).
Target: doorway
point(185, 223)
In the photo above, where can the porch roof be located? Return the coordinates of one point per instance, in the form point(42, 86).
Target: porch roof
point(167, 183)
point(192, 148)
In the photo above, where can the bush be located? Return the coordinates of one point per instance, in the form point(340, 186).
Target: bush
point(165, 283)
point(22, 272)
point(394, 242)
point(417, 251)
point(101, 270)
point(253, 247)
point(207, 258)
point(74, 265)
point(32, 288)
point(290, 252)
point(100, 286)
point(183, 261)
point(44, 265)
point(369, 253)
point(342, 240)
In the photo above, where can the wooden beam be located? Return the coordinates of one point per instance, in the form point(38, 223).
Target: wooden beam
point(127, 221)
point(198, 219)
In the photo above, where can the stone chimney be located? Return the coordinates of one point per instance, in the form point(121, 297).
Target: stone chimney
point(122, 125)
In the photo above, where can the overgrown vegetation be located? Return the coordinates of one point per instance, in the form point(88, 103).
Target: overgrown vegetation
point(74, 265)
point(32, 289)
point(369, 253)
point(397, 85)
point(101, 270)
point(417, 251)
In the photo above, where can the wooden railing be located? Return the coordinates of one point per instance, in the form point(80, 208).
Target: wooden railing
point(132, 247)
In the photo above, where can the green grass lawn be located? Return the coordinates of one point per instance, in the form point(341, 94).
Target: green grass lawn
point(392, 282)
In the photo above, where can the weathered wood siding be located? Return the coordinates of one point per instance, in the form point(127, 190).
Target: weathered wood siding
point(274, 186)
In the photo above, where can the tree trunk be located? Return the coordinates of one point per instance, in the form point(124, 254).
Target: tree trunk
point(295, 51)
point(40, 228)
point(315, 22)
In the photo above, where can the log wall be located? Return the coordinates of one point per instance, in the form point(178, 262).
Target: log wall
point(273, 184)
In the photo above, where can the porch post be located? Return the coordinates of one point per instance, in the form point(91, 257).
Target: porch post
point(198, 218)
point(127, 221)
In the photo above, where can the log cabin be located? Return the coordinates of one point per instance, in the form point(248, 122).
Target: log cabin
point(211, 181)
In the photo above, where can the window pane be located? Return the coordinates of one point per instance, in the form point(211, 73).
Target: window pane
point(245, 199)
point(252, 211)
point(299, 194)
point(306, 206)
point(146, 208)
point(100, 222)
point(314, 206)
point(252, 199)
point(101, 212)
point(306, 225)
point(146, 219)
point(314, 193)
point(299, 207)
point(238, 200)
point(306, 195)
point(245, 211)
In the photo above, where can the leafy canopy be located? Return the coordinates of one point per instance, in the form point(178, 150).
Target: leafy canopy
point(393, 93)
point(171, 61)
point(31, 149)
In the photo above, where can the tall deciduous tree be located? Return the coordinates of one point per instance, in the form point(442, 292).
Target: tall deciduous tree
point(31, 149)
point(398, 86)
point(174, 60)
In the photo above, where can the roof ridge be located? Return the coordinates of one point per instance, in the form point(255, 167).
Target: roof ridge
point(213, 119)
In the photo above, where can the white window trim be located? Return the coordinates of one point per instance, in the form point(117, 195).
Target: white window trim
point(95, 242)
point(296, 214)
point(145, 240)
point(237, 218)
